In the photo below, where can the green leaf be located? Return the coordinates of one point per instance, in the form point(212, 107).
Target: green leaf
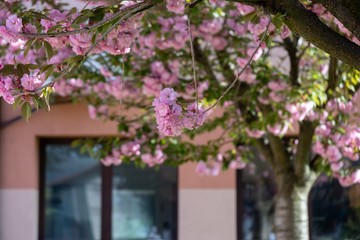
point(45, 68)
point(123, 127)
point(249, 17)
point(278, 20)
point(21, 69)
point(28, 46)
point(26, 111)
point(32, 66)
point(7, 70)
point(49, 52)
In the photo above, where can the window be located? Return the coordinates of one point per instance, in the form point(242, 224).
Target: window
point(334, 211)
point(82, 200)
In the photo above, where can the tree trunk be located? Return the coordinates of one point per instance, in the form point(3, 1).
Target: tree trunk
point(291, 220)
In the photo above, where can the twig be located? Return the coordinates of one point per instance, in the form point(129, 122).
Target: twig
point(68, 69)
point(193, 66)
point(242, 70)
point(82, 30)
point(121, 84)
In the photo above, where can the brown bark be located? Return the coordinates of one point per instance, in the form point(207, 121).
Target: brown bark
point(291, 219)
point(306, 24)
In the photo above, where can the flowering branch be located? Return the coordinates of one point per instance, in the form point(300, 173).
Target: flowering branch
point(243, 69)
point(85, 29)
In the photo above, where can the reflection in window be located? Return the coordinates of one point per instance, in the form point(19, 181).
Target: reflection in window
point(72, 194)
point(144, 203)
point(334, 210)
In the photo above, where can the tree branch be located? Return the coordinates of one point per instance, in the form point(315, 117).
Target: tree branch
point(303, 152)
point(308, 25)
point(305, 23)
point(344, 14)
point(203, 60)
point(291, 48)
point(266, 151)
point(332, 79)
point(85, 29)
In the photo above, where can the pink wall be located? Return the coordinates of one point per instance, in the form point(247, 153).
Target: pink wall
point(19, 147)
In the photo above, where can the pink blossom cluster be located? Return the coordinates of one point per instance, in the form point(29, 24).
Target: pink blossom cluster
point(129, 149)
point(174, 33)
point(213, 167)
point(338, 147)
point(300, 110)
point(9, 32)
point(330, 19)
point(95, 112)
point(238, 163)
point(209, 168)
point(175, 6)
point(254, 133)
point(69, 87)
point(201, 88)
point(278, 90)
point(278, 129)
point(154, 159)
point(160, 76)
point(211, 32)
point(118, 41)
point(113, 88)
point(170, 118)
point(11, 86)
point(114, 158)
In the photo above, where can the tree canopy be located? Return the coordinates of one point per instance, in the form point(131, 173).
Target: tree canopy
point(270, 67)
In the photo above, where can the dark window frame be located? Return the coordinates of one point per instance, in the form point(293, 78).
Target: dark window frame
point(106, 191)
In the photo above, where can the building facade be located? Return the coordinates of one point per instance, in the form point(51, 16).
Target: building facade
point(206, 206)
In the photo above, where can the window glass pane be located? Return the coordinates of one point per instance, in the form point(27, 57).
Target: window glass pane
point(72, 194)
point(335, 210)
point(144, 203)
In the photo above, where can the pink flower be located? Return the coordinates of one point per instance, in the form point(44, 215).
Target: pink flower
point(244, 9)
point(31, 83)
point(237, 164)
point(14, 24)
point(345, 181)
point(319, 148)
point(322, 130)
point(336, 166)
point(175, 6)
point(194, 116)
point(152, 160)
point(57, 16)
point(7, 35)
point(333, 153)
point(92, 111)
point(208, 169)
point(318, 9)
point(277, 129)
point(168, 96)
point(254, 133)
point(130, 149)
point(285, 32)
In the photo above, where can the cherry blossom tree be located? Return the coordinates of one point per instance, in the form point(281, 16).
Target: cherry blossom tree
point(270, 68)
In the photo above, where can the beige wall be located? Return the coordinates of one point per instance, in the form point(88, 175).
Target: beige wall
point(200, 198)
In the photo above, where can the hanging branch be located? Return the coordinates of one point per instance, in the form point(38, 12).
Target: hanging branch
point(242, 70)
point(127, 16)
point(85, 29)
point(193, 65)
